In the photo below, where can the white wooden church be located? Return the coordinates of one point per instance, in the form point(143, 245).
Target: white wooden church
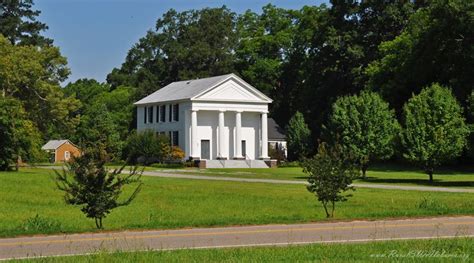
point(221, 119)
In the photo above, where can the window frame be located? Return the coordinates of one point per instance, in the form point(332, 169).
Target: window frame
point(176, 112)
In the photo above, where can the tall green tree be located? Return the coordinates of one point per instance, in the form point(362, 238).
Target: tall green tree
point(264, 43)
point(299, 138)
point(32, 76)
point(434, 130)
point(19, 138)
point(435, 46)
point(184, 45)
point(18, 23)
point(365, 126)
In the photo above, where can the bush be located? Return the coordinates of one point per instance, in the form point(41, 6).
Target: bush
point(176, 154)
point(146, 147)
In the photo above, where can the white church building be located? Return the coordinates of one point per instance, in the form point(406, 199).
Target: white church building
point(220, 120)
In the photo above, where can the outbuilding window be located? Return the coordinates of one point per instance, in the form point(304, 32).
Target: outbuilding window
point(67, 155)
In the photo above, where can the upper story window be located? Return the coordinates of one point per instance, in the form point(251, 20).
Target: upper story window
point(170, 113)
point(145, 111)
point(162, 113)
point(176, 112)
point(150, 114)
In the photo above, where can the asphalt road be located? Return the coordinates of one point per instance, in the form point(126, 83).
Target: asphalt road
point(267, 235)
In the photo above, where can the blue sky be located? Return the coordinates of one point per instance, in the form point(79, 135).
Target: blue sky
point(95, 35)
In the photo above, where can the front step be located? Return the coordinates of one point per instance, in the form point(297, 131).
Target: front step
point(236, 164)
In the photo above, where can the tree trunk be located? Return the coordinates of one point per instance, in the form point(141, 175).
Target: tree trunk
point(429, 170)
point(326, 210)
point(98, 222)
point(364, 169)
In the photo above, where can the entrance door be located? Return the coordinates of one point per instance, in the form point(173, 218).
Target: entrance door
point(244, 149)
point(205, 149)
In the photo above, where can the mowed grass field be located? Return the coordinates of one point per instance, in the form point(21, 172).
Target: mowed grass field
point(380, 174)
point(176, 203)
point(436, 250)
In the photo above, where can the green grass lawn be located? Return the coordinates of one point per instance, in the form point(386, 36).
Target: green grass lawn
point(378, 174)
point(436, 250)
point(176, 203)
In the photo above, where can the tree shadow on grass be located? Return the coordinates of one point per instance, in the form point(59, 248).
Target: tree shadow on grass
point(424, 182)
point(388, 167)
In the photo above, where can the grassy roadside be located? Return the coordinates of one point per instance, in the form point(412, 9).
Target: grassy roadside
point(436, 250)
point(175, 203)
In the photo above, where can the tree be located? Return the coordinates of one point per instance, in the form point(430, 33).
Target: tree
point(434, 130)
point(87, 183)
point(19, 138)
point(32, 76)
point(147, 147)
point(98, 128)
point(106, 114)
point(299, 137)
point(365, 126)
point(435, 46)
point(331, 172)
point(19, 25)
point(184, 45)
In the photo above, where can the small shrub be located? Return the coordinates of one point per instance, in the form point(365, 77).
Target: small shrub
point(41, 224)
point(331, 173)
point(176, 154)
point(88, 184)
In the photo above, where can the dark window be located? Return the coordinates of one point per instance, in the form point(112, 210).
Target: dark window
point(150, 114)
point(170, 136)
point(157, 114)
point(175, 138)
point(170, 112)
point(144, 114)
point(176, 112)
point(163, 113)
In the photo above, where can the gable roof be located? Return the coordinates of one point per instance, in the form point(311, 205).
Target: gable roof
point(54, 144)
point(192, 89)
point(275, 132)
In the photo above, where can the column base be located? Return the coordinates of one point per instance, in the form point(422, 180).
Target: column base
point(238, 158)
point(221, 158)
point(265, 158)
point(194, 158)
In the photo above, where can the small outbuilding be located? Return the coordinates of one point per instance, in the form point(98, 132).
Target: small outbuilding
point(61, 150)
point(277, 140)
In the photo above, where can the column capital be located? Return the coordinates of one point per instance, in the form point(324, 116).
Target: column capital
point(222, 111)
point(194, 110)
point(238, 111)
point(264, 112)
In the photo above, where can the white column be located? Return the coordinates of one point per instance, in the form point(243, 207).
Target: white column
point(221, 136)
point(238, 135)
point(194, 139)
point(264, 139)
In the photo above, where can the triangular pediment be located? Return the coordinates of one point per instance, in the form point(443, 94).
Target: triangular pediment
point(233, 89)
